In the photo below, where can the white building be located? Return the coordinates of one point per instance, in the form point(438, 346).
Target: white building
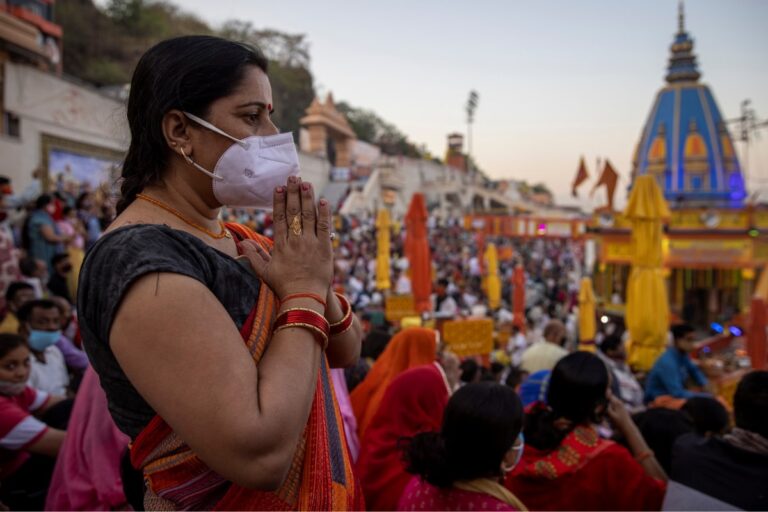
point(58, 126)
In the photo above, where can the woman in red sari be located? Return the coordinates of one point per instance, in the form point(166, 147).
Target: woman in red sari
point(566, 465)
point(411, 347)
point(461, 467)
point(213, 344)
point(413, 403)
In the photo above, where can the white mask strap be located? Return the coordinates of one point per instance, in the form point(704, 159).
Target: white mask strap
point(206, 124)
point(197, 166)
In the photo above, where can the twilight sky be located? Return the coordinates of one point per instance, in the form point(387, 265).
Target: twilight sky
point(557, 79)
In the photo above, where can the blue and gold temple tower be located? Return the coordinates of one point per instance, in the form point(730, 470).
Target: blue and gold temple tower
point(685, 143)
point(715, 239)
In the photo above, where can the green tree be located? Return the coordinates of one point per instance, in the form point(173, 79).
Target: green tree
point(369, 127)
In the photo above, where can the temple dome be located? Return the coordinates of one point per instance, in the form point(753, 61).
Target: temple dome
point(685, 143)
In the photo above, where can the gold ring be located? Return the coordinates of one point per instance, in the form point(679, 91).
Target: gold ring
point(296, 225)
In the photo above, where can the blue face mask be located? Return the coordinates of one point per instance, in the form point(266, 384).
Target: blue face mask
point(40, 340)
point(519, 447)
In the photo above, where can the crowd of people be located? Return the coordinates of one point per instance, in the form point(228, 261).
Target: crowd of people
point(188, 363)
point(561, 429)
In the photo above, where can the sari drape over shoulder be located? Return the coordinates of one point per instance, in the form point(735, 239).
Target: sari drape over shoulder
point(411, 347)
point(414, 403)
point(584, 473)
point(320, 477)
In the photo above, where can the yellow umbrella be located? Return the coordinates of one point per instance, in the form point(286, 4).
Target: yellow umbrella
point(647, 313)
point(587, 327)
point(382, 250)
point(492, 280)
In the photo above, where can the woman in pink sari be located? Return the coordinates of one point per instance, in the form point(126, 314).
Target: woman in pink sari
point(87, 474)
point(462, 466)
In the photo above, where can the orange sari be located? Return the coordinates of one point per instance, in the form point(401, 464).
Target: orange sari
point(320, 477)
point(411, 347)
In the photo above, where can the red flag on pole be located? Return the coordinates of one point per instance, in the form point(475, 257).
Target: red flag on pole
point(581, 177)
point(610, 179)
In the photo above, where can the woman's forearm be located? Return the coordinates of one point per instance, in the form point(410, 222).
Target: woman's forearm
point(640, 449)
point(343, 349)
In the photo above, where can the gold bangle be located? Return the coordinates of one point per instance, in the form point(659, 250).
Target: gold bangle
point(347, 313)
point(345, 330)
point(313, 328)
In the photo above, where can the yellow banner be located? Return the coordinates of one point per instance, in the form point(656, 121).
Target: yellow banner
point(617, 251)
point(469, 337)
point(717, 253)
point(398, 306)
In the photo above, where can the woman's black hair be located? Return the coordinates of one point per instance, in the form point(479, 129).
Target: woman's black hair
point(660, 428)
point(750, 403)
point(9, 342)
point(709, 415)
point(480, 425)
point(186, 73)
point(577, 387)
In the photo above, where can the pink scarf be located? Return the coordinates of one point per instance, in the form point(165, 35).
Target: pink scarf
point(87, 473)
point(347, 414)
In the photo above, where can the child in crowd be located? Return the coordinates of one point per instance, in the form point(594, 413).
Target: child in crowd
point(28, 446)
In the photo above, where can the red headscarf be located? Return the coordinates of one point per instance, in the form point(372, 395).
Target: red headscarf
point(413, 403)
point(411, 347)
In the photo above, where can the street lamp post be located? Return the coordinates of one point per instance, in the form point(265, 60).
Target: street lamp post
point(470, 108)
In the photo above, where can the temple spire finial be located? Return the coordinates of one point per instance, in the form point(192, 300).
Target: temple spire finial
point(680, 17)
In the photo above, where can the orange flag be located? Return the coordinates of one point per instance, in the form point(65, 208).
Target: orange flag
point(581, 177)
point(609, 178)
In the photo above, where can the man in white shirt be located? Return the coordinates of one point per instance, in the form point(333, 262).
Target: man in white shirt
point(516, 345)
point(402, 284)
point(544, 355)
point(39, 324)
point(443, 304)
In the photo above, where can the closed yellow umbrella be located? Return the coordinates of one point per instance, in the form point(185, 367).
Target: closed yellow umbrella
point(492, 280)
point(383, 225)
point(647, 313)
point(587, 327)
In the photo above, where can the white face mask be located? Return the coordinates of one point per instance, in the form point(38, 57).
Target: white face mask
point(249, 170)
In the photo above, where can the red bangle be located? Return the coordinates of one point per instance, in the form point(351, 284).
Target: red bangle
point(312, 296)
point(307, 319)
point(345, 323)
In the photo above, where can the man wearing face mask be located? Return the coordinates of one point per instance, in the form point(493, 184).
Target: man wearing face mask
point(545, 354)
point(39, 324)
point(57, 284)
